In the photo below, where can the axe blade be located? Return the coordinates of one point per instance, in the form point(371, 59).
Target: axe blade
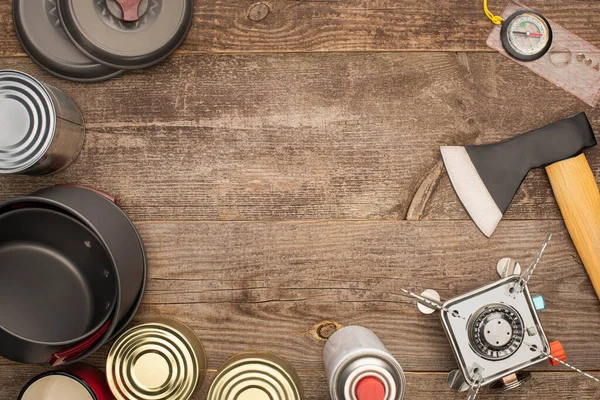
point(487, 177)
point(471, 189)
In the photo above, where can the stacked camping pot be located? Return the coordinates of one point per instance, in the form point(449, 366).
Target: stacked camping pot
point(91, 41)
point(72, 277)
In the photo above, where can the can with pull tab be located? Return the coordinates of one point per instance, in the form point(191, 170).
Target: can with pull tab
point(359, 367)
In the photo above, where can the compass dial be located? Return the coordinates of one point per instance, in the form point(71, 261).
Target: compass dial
point(526, 35)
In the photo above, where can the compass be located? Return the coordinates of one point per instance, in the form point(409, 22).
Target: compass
point(526, 35)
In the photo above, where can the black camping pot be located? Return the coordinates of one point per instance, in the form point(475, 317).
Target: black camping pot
point(110, 232)
point(57, 283)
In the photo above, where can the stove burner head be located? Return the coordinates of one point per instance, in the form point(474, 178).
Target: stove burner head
point(496, 331)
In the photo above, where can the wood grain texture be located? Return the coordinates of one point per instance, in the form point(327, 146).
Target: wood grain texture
point(263, 286)
point(270, 184)
point(578, 198)
point(302, 136)
point(224, 26)
point(283, 278)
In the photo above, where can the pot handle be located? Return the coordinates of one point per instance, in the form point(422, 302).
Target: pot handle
point(76, 351)
point(130, 9)
point(101, 193)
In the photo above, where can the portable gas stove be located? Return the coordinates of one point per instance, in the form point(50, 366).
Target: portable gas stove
point(494, 331)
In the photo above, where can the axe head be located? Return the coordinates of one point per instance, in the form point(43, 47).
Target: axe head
point(487, 177)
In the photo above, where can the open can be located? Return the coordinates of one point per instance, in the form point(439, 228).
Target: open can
point(256, 376)
point(359, 367)
point(158, 360)
point(78, 382)
point(41, 129)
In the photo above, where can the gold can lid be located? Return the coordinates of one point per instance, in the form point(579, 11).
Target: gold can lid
point(157, 360)
point(256, 376)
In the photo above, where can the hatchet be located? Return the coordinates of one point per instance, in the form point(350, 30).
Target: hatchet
point(487, 177)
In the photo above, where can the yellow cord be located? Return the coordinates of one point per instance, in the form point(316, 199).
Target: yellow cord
point(496, 19)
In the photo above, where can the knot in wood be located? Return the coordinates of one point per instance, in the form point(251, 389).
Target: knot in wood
point(258, 11)
point(326, 329)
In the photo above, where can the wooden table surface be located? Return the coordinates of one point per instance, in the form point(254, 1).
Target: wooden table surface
point(283, 168)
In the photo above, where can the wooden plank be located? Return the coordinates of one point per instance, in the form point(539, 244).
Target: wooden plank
point(264, 286)
point(302, 136)
point(283, 278)
point(355, 25)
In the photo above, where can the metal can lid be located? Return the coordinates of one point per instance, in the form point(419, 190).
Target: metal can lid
point(256, 376)
point(27, 121)
point(156, 361)
point(99, 29)
point(40, 32)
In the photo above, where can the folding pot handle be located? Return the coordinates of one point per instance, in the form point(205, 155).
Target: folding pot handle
point(94, 378)
point(76, 351)
point(101, 193)
point(130, 9)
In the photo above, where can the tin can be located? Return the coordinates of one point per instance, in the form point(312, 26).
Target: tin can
point(158, 360)
point(41, 129)
point(78, 382)
point(359, 367)
point(256, 376)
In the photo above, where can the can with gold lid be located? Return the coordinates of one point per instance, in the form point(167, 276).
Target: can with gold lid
point(158, 360)
point(256, 376)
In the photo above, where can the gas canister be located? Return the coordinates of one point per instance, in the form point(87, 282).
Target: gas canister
point(359, 367)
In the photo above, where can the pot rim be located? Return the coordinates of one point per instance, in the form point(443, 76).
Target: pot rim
point(127, 318)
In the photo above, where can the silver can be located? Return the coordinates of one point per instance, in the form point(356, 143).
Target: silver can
point(41, 129)
point(359, 367)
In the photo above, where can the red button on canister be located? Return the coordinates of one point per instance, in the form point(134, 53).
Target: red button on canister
point(370, 388)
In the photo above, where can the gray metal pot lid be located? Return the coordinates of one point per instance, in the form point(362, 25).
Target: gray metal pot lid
point(27, 121)
point(41, 34)
point(126, 34)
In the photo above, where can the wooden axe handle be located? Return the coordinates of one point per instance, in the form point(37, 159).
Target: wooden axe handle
point(578, 198)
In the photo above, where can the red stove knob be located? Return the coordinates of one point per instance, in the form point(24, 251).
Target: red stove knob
point(557, 351)
point(370, 388)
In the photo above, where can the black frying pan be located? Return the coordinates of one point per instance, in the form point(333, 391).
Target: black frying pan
point(58, 285)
